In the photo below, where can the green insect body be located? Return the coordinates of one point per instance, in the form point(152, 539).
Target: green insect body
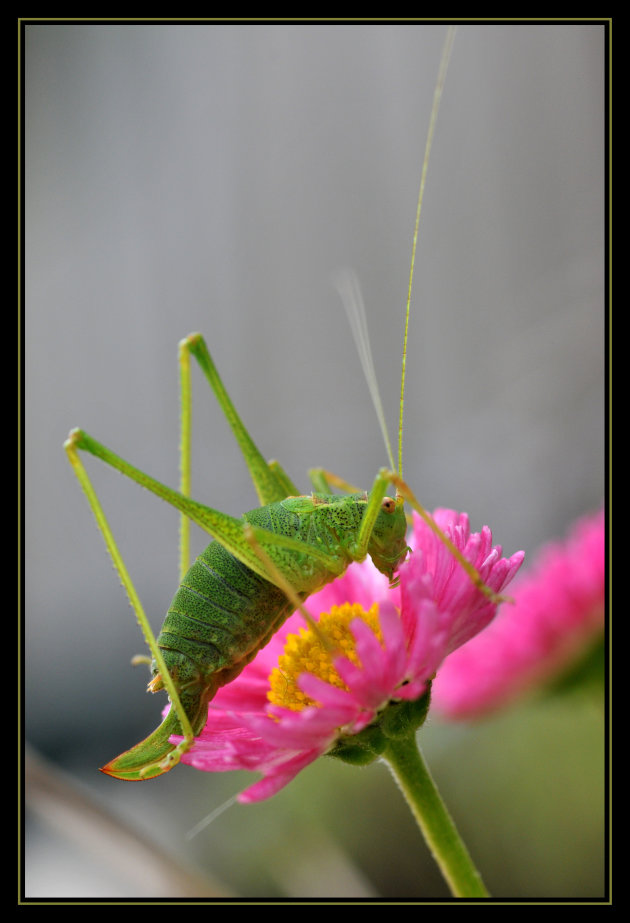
point(223, 612)
point(261, 567)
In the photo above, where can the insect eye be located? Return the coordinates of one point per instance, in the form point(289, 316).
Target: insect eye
point(388, 505)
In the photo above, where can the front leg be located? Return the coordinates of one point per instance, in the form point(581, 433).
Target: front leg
point(403, 490)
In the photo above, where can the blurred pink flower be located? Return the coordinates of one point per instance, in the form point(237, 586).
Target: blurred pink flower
point(558, 613)
point(435, 609)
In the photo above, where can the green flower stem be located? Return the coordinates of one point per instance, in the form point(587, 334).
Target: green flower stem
point(413, 777)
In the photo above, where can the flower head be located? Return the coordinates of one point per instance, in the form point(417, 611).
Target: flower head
point(307, 692)
point(558, 613)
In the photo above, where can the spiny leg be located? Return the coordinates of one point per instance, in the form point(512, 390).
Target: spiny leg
point(323, 480)
point(287, 487)
point(226, 529)
point(275, 575)
point(185, 436)
point(375, 500)
point(376, 496)
point(156, 755)
point(403, 490)
point(271, 482)
point(174, 756)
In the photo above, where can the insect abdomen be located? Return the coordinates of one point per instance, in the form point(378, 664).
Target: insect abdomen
point(222, 614)
point(218, 618)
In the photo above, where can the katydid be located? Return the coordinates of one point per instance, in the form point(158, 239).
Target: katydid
point(260, 568)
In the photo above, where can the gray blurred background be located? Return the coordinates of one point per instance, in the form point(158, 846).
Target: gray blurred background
point(213, 178)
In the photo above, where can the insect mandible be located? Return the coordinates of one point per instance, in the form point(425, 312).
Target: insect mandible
point(260, 568)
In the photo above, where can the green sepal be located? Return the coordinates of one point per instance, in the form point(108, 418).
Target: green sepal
point(362, 748)
point(400, 719)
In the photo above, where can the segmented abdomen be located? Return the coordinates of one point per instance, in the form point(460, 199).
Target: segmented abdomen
point(218, 619)
point(223, 613)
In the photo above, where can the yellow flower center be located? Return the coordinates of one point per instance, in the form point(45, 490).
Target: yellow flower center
point(306, 652)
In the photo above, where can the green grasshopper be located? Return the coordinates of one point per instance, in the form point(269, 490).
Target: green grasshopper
point(260, 568)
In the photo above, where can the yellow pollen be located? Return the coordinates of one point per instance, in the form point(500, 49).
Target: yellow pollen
point(305, 653)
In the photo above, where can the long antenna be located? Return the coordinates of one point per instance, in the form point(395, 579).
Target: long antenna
point(437, 95)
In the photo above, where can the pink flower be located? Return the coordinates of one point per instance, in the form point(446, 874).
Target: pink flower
point(558, 612)
point(389, 655)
